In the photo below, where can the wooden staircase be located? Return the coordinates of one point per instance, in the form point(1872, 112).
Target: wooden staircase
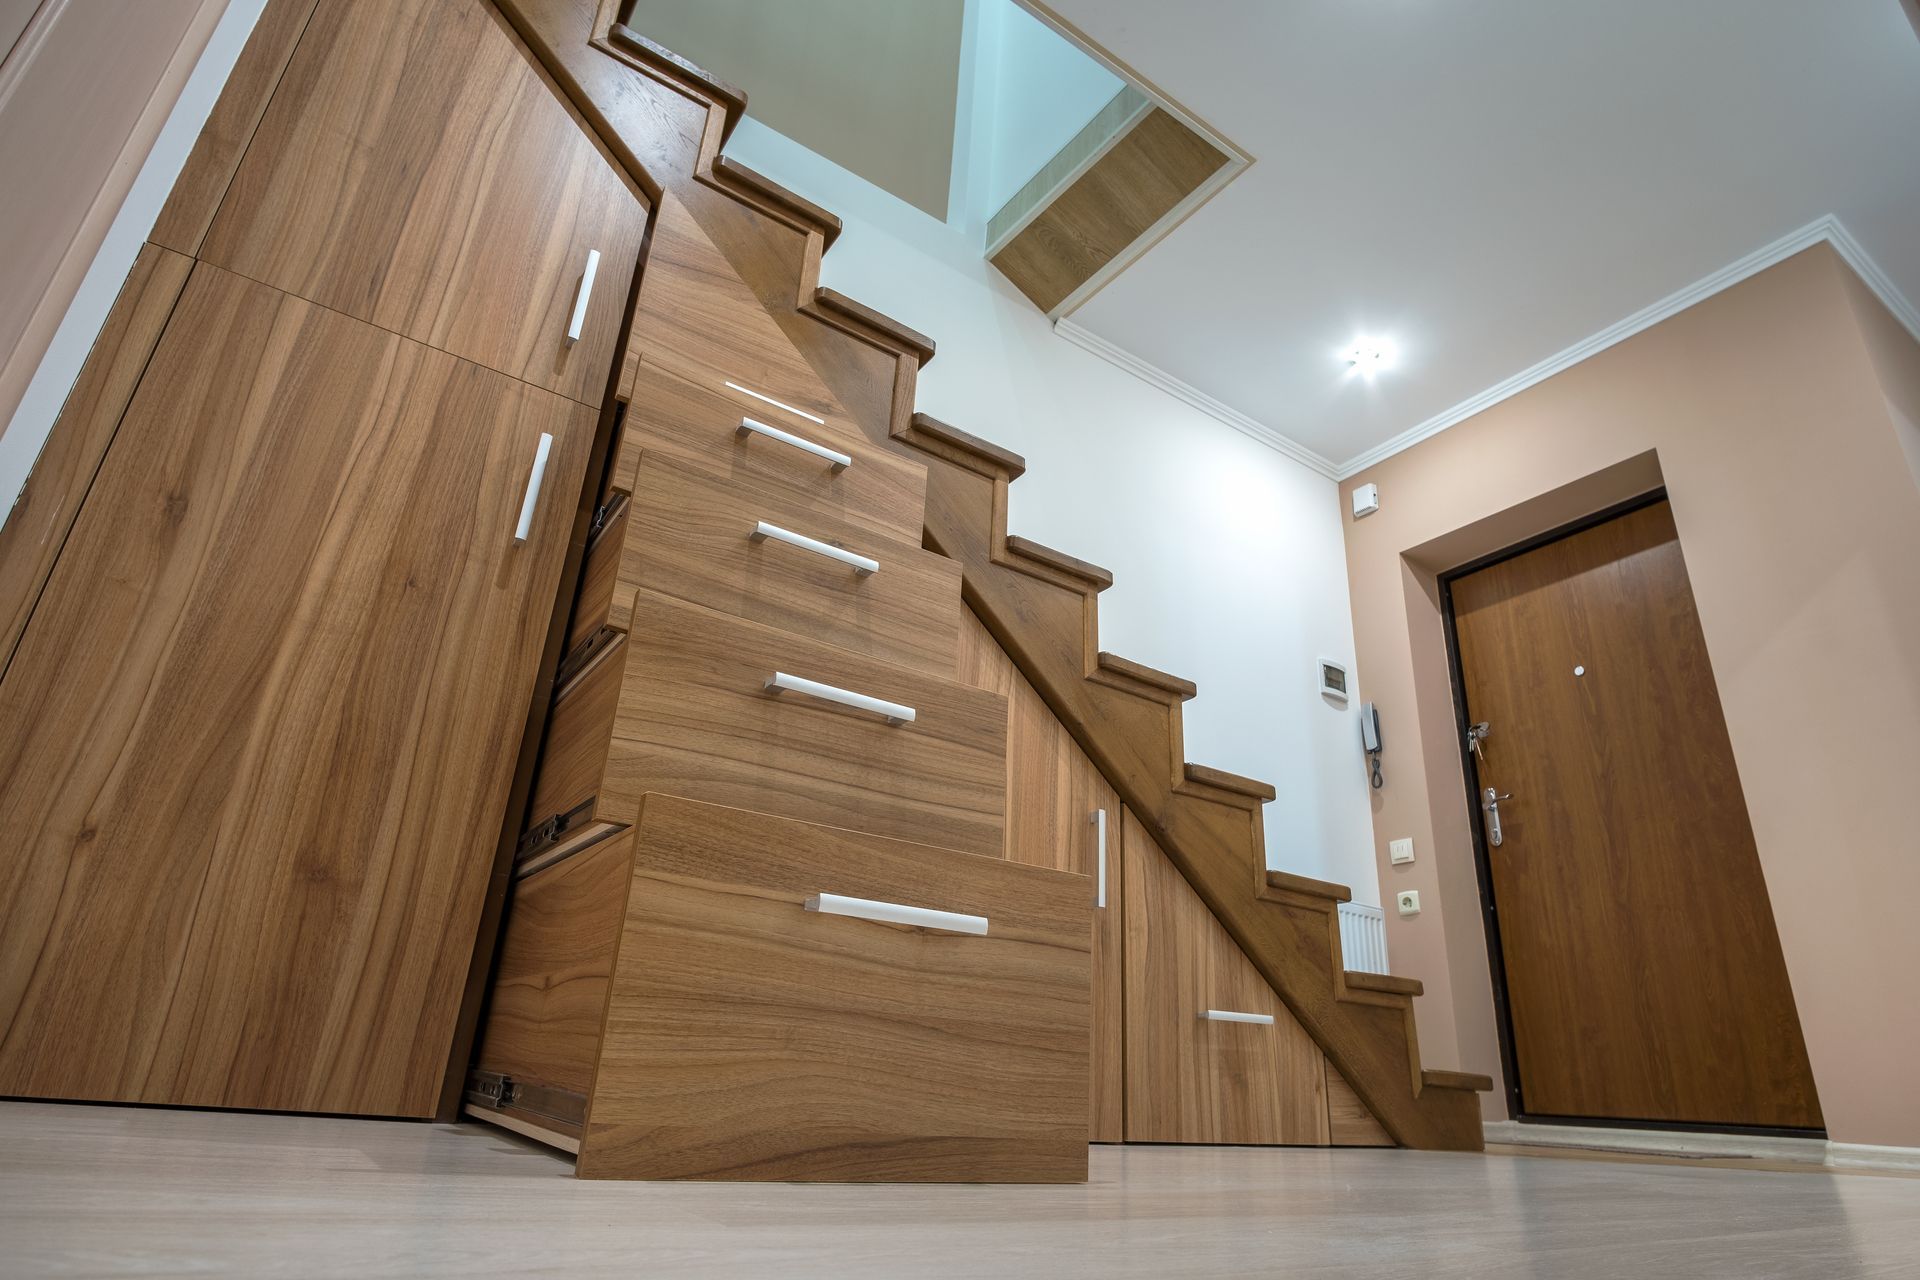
point(666, 121)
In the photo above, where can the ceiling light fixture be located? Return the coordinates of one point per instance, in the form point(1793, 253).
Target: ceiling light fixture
point(1368, 356)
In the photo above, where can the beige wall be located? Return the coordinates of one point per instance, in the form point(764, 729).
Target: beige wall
point(1765, 410)
point(84, 89)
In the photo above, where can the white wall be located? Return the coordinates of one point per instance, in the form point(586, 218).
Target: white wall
point(1228, 559)
point(1044, 90)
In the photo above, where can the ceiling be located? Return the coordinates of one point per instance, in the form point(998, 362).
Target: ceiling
point(1491, 182)
point(872, 85)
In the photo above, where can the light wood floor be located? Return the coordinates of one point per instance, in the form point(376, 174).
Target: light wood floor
point(108, 1191)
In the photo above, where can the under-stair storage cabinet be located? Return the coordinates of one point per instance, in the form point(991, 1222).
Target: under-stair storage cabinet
point(1212, 1053)
point(416, 170)
point(258, 734)
point(728, 995)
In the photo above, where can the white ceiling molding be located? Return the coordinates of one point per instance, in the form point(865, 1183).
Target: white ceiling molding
point(1155, 376)
point(1827, 228)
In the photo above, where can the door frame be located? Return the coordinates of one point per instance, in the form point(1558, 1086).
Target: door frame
point(1482, 866)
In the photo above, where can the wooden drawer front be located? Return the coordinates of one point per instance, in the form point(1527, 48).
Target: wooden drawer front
point(1190, 1079)
point(697, 316)
point(415, 170)
point(599, 573)
point(574, 757)
point(698, 425)
point(697, 719)
point(750, 1038)
point(722, 546)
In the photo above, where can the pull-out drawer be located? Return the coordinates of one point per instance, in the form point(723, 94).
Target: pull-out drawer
point(741, 714)
point(1212, 1054)
point(785, 1001)
point(761, 448)
point(599, 573)
point(753, 556)
point(573, 757)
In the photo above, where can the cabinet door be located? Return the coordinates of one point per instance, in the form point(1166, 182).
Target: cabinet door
point(415, 170)
point(259, 735)
point(1062, 814)
point(1191, 1078)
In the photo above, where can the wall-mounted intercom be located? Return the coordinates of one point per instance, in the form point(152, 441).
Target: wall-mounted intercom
point(1370, 740)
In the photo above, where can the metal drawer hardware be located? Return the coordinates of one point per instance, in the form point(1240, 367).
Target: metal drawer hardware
point(893, 711)
point(575, 325)
point(1100, 857)
point(861, 565)
point(778, 404)
point(522, 530)
point(834, 904)
point(1230, 1015)
point(836, 461)
point(1491, 803)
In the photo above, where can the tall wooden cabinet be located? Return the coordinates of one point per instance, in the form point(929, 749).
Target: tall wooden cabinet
point(259, 734)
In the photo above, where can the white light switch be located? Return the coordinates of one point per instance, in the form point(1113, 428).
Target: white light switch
point(1408, 900)
point(1399, 851)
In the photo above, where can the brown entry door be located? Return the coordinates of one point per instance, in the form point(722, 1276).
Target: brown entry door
point(1643, 972)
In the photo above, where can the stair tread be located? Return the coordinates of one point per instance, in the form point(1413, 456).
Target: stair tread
point(912, 339)
point(1000, 459)
point(826, 222)
point(1230, 782)
point(1074, 565)
point(732, 101)
point(1384, 982)
point(1457, 1080)
point(1307, 884)
point(1177, 685)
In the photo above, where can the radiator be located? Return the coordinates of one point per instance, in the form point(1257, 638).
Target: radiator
point(1363, 937)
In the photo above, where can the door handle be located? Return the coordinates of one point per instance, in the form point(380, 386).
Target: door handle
point(523, 528)
point(861, 565)
point(1491, 803)
point(1100, 857)
point(578, 321)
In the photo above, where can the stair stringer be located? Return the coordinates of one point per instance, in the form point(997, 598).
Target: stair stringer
point(666, 121)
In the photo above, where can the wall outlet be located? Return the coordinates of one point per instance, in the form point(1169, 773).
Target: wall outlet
point(1400, 851)
point(1408, 900)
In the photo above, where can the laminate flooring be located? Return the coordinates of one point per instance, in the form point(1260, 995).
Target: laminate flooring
point(105, 1191)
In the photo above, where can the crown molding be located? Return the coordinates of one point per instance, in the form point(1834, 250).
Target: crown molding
point(1153, 375)
point(1827, 229)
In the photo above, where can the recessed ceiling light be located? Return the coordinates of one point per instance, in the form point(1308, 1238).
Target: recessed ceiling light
point(1368, 356)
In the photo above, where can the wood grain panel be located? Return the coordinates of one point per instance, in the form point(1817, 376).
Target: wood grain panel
point(1349, 1123)
point(690, 539)
point(549, 1000)
point(197, 192)
point(1053, 791)
point(1148, 172)
point(749, 1038)
point(573, 756)
point(416, 171)
point(1643, 969)
point(696, 317)
point(696, 426)
point(697, 720)
point(37, 526)
point(599, 574)
point(1188, 1079)
point(259, 733)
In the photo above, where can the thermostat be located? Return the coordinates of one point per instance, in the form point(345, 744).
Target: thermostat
point(1366, 500)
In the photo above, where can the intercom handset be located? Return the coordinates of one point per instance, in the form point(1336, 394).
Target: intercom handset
point(1370, 740)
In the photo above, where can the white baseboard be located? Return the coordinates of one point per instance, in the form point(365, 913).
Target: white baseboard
point(1661, 1142)
point(1864, 1155)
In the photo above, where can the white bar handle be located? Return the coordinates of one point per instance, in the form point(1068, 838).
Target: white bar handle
point(861, 565)
point(1100, 857)
point(893, 711)
point(834, 904)
point(1231, 1015)
point(579, 320)
point(836, 461)
point(531, 500)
